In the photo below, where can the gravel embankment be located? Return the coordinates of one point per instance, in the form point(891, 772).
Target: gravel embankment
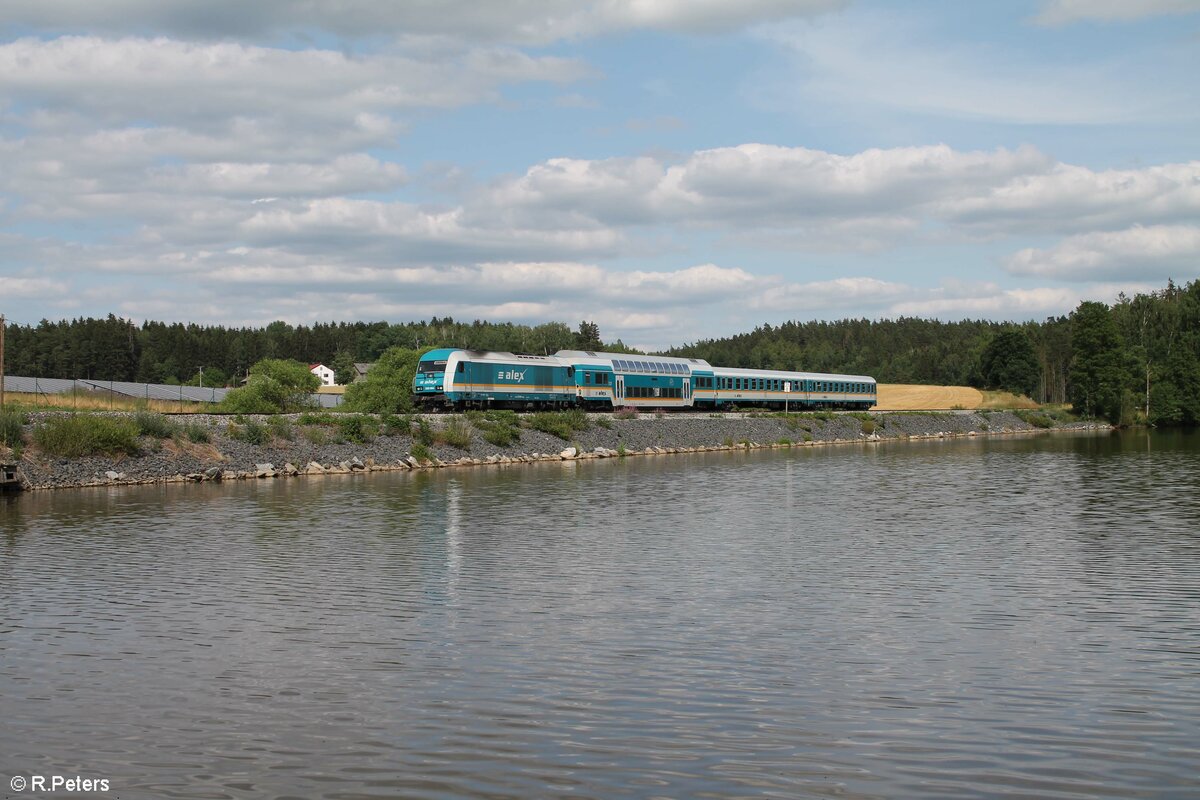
point(227, 458)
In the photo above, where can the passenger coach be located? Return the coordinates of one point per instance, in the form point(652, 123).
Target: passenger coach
point(457, 379)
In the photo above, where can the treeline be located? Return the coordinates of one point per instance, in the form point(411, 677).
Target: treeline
point(904, 350)
point(158, 352)
point(1136, 359)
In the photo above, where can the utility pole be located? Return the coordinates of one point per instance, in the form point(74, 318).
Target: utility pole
point(1, 362)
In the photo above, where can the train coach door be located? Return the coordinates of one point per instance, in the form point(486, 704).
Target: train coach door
point(619, 392)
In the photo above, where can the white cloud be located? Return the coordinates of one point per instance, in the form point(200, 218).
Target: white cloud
point(13, 288)
point(1064, 12)
point(989, 301)
point(1072, 198)
point(763, 185)
point(840, 293)
point(168, 81)
point(527, 22)
point(1155, 252)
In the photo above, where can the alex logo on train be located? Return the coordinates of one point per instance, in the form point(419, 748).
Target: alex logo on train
point(512, 375)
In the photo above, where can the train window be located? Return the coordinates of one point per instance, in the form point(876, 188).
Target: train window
point(570, 372)
point(461, 366)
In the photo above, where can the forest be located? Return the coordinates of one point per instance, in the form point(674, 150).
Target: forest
point(1136, 359)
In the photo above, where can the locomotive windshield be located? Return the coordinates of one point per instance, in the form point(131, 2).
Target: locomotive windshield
point(431, 367)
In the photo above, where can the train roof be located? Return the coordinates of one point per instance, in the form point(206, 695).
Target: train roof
point(666, 363)
point(500, 356)
point(734, 372)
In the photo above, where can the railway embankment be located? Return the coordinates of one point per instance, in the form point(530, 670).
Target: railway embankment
point(200, 447)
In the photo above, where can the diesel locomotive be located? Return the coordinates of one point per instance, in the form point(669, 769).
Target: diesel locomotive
point(451, 379)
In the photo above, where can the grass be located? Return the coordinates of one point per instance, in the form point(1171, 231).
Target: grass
point(316, 435)
point(317, 418)
point(150, 423)
point(604, 422)
point(621, 451)
point(625, 413)
point(1006, 400)
point(11, 428)
point(1035, 418)
point(500, 428)
point(456, 433)
point(282, 428)
point(251, 432)
point(562, 424)
point(868, 426)
point(421, 452)
point(357, 428)
point(80, 435)
point(917, 397)
point(83, 400)
point(197, 433)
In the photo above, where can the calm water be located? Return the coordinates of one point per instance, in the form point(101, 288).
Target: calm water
point(1003, 618)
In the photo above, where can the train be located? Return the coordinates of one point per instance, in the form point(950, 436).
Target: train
point(454, 379)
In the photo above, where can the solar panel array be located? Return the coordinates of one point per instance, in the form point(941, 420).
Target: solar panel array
point(145, 391)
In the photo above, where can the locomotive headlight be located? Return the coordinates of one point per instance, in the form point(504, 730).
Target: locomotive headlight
point(439, 387)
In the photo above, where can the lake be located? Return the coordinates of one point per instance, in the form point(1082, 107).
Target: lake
point(1007, 617)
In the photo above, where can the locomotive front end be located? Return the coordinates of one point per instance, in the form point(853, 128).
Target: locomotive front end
point(429, 384)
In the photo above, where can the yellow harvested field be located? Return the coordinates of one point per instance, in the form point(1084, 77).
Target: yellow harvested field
point(910, 397)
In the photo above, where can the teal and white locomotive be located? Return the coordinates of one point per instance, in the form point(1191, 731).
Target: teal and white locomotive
point(459, 379)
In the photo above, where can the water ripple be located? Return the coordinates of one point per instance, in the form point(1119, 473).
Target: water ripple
point(992, 618)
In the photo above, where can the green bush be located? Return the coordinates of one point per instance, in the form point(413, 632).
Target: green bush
point(387, 387)
point(421, 452)
point(392, 425)
point(500, 428)
point(197, 433)
point(1034, 418)
point(316, 436)
point(456, 433)
point(275, 386)
point(252, 432)
point(86, 434)
point(11, 425)
point(424, 433)
point(156, 425)
point(604, 422)
point(317, 418)
point(868, 426)
point(281, 428)
point(358, 428)
point(562, 424)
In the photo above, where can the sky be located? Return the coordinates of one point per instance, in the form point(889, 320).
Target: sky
point(673, 170)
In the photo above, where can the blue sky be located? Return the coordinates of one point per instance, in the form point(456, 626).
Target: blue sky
point(672, 170)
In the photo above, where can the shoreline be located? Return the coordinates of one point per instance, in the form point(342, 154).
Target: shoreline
point(225, 457)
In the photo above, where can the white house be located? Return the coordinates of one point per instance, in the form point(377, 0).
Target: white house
point(323, 372)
